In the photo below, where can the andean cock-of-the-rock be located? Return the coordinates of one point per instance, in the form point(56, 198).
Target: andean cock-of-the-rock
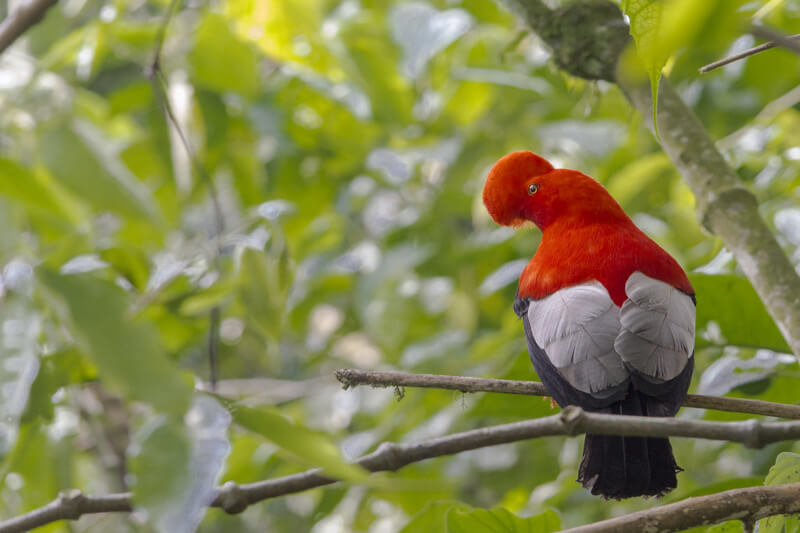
point(609, 316)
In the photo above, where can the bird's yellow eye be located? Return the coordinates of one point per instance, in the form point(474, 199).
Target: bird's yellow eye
point(533, 188)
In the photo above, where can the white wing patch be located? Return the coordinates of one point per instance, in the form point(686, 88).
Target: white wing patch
point(657, 335)
point(577, 328)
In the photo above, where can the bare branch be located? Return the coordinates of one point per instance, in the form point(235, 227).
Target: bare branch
point(741, 55)
point(785, 41)
point(352, 377)
point(747, 505)
point(70, 505)
point(234, 498)
point(26, 15)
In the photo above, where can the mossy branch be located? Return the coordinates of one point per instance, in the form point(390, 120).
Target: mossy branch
point(587, 38)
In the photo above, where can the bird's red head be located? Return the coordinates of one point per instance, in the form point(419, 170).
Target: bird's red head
point(523, 186)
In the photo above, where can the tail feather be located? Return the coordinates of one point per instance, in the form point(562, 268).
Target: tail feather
point(626, 467)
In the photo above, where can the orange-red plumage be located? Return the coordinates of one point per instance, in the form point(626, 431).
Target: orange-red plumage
point(585, 233)
point(624, 348)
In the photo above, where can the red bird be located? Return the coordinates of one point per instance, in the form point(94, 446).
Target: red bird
point(608, 314)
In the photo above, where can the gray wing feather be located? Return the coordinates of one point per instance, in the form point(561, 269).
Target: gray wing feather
point(577, 328)
point(657, 328)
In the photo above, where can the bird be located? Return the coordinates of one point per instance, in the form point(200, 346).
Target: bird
point(609, 316)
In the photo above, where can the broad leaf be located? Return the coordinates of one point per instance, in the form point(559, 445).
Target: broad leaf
point(659, 28)
point(80, 158)
point(733, 305)
point(127, 353)
point(222, 62)
point(296, 441)
point(433, 517)
point(500, 521)
point(159, 460)
point(785, 470)
point(37, 191)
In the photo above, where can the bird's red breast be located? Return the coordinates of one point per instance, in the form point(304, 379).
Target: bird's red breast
point(585, 233)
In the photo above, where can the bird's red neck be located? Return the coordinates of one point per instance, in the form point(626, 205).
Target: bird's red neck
point(573, 252)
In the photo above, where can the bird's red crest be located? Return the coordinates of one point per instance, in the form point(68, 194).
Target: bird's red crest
point(586, 234)
point(503, 192)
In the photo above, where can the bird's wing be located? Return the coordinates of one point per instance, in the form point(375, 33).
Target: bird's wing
point(656, 338)
point(575, 329)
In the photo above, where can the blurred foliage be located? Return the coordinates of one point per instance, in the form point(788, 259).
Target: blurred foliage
point(348, 143)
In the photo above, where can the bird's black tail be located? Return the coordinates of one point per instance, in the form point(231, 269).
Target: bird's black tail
point(625, 467)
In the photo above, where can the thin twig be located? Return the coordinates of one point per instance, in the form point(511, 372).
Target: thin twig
point(156, 75)
point(160, 86)
point(234, 498)
point(213, 347)
point(28, 14)
point(741, 55)
point(748, 505)
point(785, 41)
point(352, 377)
point(155, 63)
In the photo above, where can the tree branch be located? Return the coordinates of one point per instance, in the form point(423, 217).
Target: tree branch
point(352, 377)
point(573, 420)
point(592, 34)
point(18, 22)
point(70, 505)
point(741, 55)
point(786, 41)
point(747, 505)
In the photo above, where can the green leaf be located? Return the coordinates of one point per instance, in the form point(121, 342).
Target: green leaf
point(659, 28)
point(645, 20)
point(37, 191)
point(222, 62)
point(284, 25)
point(296, 441)
point(785, 470)
point(732, 303)
point(42, 463)
point(264, 281)
point(159, 463)
point(636, 178)
point(433, 517)
point(733, 526)
point(130, 263)
point(720, 486)
point(204, 300)
point(127, 353)
point(500, 521)
point(79, 156)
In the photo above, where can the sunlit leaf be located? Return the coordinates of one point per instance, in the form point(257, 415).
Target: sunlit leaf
point(37, 190)
point(220, 61)
point(659, 28)
point(287, 31)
